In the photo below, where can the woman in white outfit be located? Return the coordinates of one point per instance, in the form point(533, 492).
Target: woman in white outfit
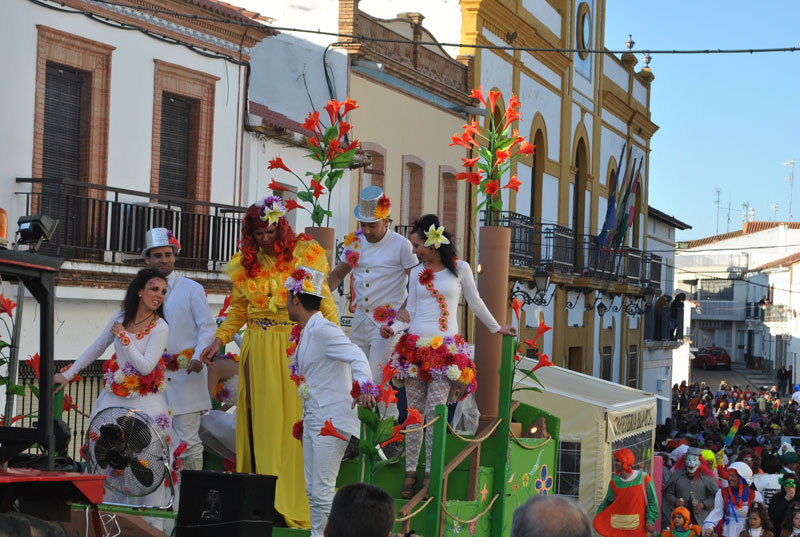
point(432, 359)
point(134, 376)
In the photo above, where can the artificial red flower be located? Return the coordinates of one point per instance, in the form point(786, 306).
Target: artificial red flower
point(413, 417)
point(298, 274)
point(313, 142)
point(544, 361)
point(493, 96)
point(277, 187)
point(472, 128)
point(7, 305)
point(349, 104)
point(225, 304)
point(516, 305)
point(478, 94)
point(33, 362)
point(179, 450)
point(471, 177)
point(456, 140)
point(511, 115)
point(68, 404)
point(526, 149)
point(397, 435)
point(502, 156)
point(291, 204)
point(318, 188)
point(388, 395)
point(426, 276)
point(344, 128)
point(387, 372)
point(355, 391)
point(277, 162)
point(513, 102)
point(297, 430)
point(352, 258)
point(513, 183)
point(13, 420)
point(353, 145)
point(492, 187)
point(312, 121)
point(333, 109)
point(470, 162)
point(539, 332)
point(329, 430)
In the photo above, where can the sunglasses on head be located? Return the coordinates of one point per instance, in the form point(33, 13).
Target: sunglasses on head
point(748, 459)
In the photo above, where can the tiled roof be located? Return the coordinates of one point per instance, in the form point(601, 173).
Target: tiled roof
point(234, 12)
point(748, 228)
point(276, 119)
point(782, 262)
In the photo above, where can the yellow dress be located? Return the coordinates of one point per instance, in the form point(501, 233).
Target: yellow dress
point(261, 303)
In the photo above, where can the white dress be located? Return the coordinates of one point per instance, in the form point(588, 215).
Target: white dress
point(140, 373)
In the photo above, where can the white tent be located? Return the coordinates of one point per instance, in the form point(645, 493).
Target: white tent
point(595, 413)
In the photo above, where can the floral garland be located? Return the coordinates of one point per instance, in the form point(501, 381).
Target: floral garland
point(175, 362)
point(265, 290)
point(299, 380)
point(385, 315)
point(146, 330)
point(127, 381)
point(382, 208)
point(435, 357)
point(365, 386)
point(426, 278)
point(225, 391)
point(352, 243)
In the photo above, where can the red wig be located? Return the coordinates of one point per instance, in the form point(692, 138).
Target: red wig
point(283, 247)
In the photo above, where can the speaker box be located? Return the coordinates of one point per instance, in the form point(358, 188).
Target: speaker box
point(234, 504)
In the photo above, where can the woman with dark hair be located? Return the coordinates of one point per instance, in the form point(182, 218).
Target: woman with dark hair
point(134, 376)
point(267, 404)
point(432, 359)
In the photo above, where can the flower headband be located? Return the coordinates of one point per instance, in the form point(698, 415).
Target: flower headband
point(271, 209)
point(435, 236)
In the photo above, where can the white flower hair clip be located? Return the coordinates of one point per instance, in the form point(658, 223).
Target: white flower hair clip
point(435, 236)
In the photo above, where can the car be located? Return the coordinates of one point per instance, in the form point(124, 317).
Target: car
point(710, 357)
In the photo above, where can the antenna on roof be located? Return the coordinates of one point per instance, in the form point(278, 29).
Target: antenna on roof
point(790, 163)
point(716, 202)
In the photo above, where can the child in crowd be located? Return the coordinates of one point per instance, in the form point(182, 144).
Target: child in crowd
point(791, 522)
point(758, 523)
point(681, 525)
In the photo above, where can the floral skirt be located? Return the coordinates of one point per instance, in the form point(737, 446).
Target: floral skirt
point(435, 357)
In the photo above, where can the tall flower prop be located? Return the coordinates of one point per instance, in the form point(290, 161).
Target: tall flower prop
point(330, 148)
point(497, 146)
point(543, 359)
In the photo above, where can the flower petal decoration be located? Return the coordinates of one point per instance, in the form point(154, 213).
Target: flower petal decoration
point(413, 417)
point(7, 305)
point(544, 361)
point(470, 162)
point(318, 188)
point(492, 187)
point(291, 205)
point(513, 183)
point(277, 163)
point(388, 394)
point(333, 109)
point(516, 305)
point(33, 362)
point(276, 187)
point(329, 430)
point(349, 104)
point(435, 236)
point(526, 149)
point(312, 121)
point(540, 331)
point(478, 94)
point(493, 96)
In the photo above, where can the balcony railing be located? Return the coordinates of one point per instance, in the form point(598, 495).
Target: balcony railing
point(102, 223)
point(558, 249)
point(776, 313)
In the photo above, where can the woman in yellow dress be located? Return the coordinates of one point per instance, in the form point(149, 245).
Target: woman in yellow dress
point(267, 402)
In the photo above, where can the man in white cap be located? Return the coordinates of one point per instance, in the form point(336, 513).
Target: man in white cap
point(380, 260)
point(324, 364)
point(191, 329)
point(732, 503)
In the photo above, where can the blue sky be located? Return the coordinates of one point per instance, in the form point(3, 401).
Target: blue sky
point(726, 121)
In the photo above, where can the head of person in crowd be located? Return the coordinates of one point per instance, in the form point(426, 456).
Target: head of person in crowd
point(161, 249)
point(693, 460)
point(791, 521)
point(534, 518)
point(623, 462)
point(750, 458)
point(304, 290)
point(147, 289)
point(361, 509)
point(372, 213)
point(791, 461)
point(739, 473)
point(265, 229)
point(758, 517)
point(681, 519)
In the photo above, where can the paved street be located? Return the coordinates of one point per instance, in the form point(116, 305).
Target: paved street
point(738, 374)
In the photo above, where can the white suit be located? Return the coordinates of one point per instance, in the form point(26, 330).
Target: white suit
point(328, 361)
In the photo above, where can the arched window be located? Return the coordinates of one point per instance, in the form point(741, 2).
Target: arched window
point(448, 198)
point(374, 172)
point(413, 189)
point(537, 175)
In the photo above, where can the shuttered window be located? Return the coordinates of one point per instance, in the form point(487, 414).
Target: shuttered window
point(173, 170)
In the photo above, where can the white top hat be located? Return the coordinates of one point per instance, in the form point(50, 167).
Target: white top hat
point(305, 280)
point(160, 236)
point(373, 205)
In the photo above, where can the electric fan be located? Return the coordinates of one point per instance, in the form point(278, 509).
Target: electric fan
point(127, 447)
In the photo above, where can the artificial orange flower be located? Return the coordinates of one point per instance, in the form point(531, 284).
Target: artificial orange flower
point(516, 305)
point(387, 372)
point(349, 104)
point(312, 121)
point(33, 362)
point(511, 115)
point(388, 395)
point(472, 128)
point(470, 177)
point(526, 149)
point(397, 435)
point(493, 96)
point(413, 417)
point(492, 187)
point(502, 156)
point(318, 188)
point(544, 361)
point(277, 162)
point(225, 304)
point(333, 109)
point(478, 94)
point(344, 128)
point(539, 332)
point(7, 305)
point(470, 162)
point(291, 204)
point(277, 187)
point(329, 430)
point(456, 140)
point(513, 183)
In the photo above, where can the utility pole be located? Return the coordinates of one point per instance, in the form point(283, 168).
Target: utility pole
point(774, 208)
point(790, 163)
point(716, 202)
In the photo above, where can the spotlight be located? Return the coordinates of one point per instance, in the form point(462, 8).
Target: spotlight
point(35, 228)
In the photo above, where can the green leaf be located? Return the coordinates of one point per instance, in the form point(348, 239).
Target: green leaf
point(15, 389)
point(368, 417)
point(384, 431)
point(532, 375)
point(344, 160)
point(3, 344)
point(306, 196)
point(332, 179)
point(331, 133)
point(317, 215)
point(3, 380)
point(377, 465)
point(368, 449)
point(34, 389)
point(498, 205)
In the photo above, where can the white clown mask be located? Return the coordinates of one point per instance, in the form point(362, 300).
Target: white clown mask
point(692, 463)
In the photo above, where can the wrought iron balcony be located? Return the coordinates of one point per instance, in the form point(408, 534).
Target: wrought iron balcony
point(103, 223)
point(776, 313)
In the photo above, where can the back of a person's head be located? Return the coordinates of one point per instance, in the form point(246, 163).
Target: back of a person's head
point(361, 510)
point(551, 516)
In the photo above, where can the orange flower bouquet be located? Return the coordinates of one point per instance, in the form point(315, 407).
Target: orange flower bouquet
point(497, 147)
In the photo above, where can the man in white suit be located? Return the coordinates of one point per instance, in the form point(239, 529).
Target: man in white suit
point(325, 363)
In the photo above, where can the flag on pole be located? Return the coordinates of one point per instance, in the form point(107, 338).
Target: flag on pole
point(611, 209)
point(627, 208)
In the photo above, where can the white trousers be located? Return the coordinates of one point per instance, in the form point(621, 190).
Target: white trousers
point(187, 429)
point(322, 456)
point(368, 338)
